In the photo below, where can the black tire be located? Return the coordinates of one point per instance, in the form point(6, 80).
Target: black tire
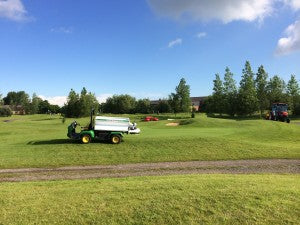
point(115, 139)
point(288, 120)
point(85, 139)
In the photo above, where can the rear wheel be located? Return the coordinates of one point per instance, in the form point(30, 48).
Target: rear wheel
point(85, 139)
point(115, 139)
point(288, 120)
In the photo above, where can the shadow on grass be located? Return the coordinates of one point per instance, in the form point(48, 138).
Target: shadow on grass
point(63, 142)
point(46, 119)
point(53, 142)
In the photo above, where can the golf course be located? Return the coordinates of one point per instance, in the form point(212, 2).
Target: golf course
point(41, 141)
point(31, 145)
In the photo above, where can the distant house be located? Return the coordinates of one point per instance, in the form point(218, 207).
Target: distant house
point(196, 102)
point(16, 109)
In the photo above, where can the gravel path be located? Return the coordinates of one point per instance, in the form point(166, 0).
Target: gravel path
point(152, 169)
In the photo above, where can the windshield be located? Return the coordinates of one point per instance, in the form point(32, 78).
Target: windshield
point(281, 108)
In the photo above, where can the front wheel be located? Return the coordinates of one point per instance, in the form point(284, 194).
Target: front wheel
point(115, 139)
point(85, 139)
point(288, 120)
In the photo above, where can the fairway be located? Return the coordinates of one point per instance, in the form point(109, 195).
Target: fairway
point(41, 141)
point(189, 199)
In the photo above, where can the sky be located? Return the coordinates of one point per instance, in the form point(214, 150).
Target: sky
point(142, 47)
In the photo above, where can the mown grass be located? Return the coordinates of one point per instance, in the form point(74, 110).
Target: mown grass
point(189, 199)
point(41, 141)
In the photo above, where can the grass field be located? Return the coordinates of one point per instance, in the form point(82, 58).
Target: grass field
point(189, 199)
point(41, 141)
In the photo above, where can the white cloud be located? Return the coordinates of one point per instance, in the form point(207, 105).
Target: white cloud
point(291, 42)
point(102, 98)
point(178, 41)
point(206, 10)
point(55, 100)
point(64, 30)
point(201, 35)
point(13, 10)
point(294, 4)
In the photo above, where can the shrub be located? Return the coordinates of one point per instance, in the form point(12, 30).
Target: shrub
point(5, 112)
point(186, 122)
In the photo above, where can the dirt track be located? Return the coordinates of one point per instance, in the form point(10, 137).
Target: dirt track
point(151, 169)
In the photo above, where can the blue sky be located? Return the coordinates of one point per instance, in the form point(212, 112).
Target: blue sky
point(142, 47)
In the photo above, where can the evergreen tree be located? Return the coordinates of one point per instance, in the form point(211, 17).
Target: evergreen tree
point(218, 95)
point(230, 93)
point(183, 93)
point(174, 102)
point(276, 90)
point(35, 102)
point(87, 102)
point(72, 108)
point(261, 89)
point(293, 92)
point(247, 99)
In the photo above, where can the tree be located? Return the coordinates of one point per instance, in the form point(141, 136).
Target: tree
point(5, 111)
point(247, 98)
point(183, 94)
point(119, 104)
point(276, 90)
point(218, 96)
point(44, 107)
point(35, 102)
point(261, 89)
point(163, 106)
point(87, 102)
point(72, 107)
point(174, 102)
point(1, 100)
point(230, 93)
point(18, 98)
point(79, 105)
point(142, 106)
point(293, 92)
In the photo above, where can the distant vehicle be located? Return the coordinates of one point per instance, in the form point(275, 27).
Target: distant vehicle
point(278, 112)
point(103, 128)
point(150, 118)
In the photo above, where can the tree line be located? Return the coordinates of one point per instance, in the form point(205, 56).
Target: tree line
point(179, 101)
point(80, 104)
point(256, 92)
point(32, 105)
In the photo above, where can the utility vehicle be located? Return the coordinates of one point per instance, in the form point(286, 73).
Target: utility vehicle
point(103, 128)
point(279, 111)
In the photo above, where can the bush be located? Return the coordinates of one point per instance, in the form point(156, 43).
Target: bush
point(5, 112)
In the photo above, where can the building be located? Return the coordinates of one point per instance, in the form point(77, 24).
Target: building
point(16, 109)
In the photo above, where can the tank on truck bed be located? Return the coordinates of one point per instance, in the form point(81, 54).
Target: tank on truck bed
point(104, 123)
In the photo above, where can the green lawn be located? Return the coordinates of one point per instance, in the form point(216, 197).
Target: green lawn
point(41, 141)
point(189, 199)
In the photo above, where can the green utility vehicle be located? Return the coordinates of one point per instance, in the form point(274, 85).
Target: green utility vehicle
point(104, 129)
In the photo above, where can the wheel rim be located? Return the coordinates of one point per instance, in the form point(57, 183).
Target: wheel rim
point(115, 139)
point(85, 139)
